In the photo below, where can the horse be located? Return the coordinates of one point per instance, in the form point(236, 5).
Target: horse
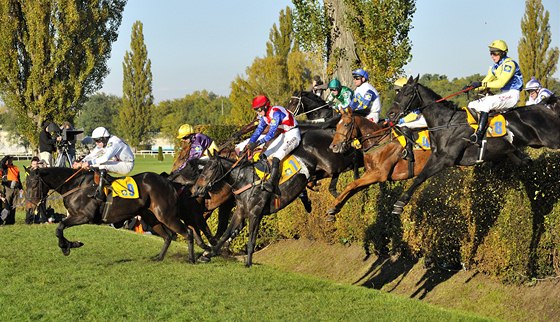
point(534, 126)
point(157, 204)
point(307, 103)
point(252, 202)
point(382, 156)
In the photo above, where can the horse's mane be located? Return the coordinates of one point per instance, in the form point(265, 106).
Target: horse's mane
point(435, 96)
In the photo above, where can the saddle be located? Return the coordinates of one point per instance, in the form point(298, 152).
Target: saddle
point(289, 167)
point(496, 123)
point(421, 139)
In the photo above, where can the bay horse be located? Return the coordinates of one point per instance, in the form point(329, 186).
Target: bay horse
point(382, 156)
point(157, 204)
point(534, 126)
point(311, 105)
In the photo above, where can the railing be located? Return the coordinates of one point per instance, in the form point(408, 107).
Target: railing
point(22, 156)
point(144, 153)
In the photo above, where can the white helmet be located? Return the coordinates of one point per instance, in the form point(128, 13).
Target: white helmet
point(100, 132)
point(532, 84)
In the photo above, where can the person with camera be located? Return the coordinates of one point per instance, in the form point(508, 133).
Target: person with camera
point(47, 144)
point(68, 143)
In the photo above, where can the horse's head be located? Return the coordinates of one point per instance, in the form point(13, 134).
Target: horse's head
point(346, 131)
point(35, 189)
point(212, 173)
point(307, 103)
point(407, 99)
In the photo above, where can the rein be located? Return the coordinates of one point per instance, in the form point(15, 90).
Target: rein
point(300, 104)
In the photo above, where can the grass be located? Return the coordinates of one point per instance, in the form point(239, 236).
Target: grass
point(112, 278)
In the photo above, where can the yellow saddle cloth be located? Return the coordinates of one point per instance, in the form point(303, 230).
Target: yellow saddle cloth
point(125, 188)
point(496, 124)
point(421, 143)
point(289, 166)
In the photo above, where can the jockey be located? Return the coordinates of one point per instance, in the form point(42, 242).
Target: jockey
point(537, 93)
point(504, 76)
point(366, 100)
point(339, 97)
point(110, 154)
point(201, 146)
point(283, 135)
point(411, 121)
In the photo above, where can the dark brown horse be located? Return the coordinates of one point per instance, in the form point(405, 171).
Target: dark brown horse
point(382, 156)
point(157, 204)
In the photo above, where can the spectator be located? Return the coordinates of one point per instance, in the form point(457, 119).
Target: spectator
point(11, 186)
point(40, 217)
point(47, 144)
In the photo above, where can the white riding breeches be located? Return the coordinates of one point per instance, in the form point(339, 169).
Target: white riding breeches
point(500, 102)
point(118, 167)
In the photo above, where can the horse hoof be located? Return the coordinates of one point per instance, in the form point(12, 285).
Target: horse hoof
point(397, 211)
point(204, 259)
point(332, 211)
point(157, 258)
point(77, 244)
point(65, 251)
point(331, 218)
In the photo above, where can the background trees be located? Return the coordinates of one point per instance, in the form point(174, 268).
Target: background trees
point(137, 102)
point(54, 54)
point(535, 56)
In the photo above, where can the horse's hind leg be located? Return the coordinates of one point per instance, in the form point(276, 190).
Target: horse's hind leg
point(254, 224)
point(167, 236)
point(332, 185)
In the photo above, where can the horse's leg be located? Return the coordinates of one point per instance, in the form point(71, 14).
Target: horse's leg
point(224, 214)
point(434, 165)
point(352, 188)
point(254, 224)
point(232, 230)
point(332, 185)
point(68, 222)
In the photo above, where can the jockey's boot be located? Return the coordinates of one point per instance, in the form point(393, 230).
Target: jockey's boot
point(408, 152)
point(98, 194)
point(271, 185)
point(305, 200)
point(476, 138)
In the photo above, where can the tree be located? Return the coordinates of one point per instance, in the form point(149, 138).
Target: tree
point(357, 34)
point(135, 115)
point(535, 57)
point(283, 70)
point(99, 110)
point(54, 53)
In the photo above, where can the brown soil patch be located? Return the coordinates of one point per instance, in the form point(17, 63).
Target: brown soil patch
point(465, 290)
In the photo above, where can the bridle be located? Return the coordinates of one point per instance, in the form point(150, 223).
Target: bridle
point(381, 133)
point(51, 190)
point(299, 106)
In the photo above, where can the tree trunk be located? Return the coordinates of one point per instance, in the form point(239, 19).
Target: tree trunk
point(341, 56)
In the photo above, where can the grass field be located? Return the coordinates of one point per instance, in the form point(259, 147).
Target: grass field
point(112, 278)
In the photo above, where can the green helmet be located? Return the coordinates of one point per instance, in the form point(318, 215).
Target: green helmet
point(335, 84)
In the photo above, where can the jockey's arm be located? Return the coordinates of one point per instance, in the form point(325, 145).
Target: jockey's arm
point(277, 117)
point(260, 128)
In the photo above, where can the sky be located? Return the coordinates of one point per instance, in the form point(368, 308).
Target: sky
point(197, 45)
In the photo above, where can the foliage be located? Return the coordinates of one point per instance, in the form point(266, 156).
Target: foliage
point(536, 57)
point(200, 107)
point(100, 109)
point(276, 75)
point(54, 54)
point(160, 153)
point(380, 29)
point(135, 115)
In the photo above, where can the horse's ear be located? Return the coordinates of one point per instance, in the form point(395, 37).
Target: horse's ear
point(416, 79)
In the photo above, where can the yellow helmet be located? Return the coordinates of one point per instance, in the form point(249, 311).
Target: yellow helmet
point(399, 83)
point(498, 45)
point(185, 130)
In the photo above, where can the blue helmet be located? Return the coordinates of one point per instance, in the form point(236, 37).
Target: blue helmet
point(360, 72)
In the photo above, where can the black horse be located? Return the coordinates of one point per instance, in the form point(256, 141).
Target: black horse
point(311, 105)
point(157, 204)
point(534, 126)
point(252, 202)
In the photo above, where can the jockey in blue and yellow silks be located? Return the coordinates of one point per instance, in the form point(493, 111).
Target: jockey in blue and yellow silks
point(366, 100)
point(504, 76)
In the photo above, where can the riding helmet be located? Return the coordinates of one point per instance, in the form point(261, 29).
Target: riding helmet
point(260, 101)
point(184, 130)
point(532, 84)
point(498, 45)
point(360, 72)
point(100, 132)
point(399, 83)
point(335, 84)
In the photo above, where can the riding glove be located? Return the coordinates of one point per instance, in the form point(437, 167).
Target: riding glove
point(476, 84)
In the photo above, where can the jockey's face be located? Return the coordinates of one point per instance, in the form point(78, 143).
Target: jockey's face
point(496, 56)
point(100, 143)
point(261, 111)
point(533, 94)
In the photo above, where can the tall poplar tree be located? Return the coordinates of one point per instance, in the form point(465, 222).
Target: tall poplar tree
point(137, 101)
point(370, 34)
point(53, 54)
point(536, 58)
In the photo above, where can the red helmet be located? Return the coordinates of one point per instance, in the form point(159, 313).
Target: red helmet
point(260, 101)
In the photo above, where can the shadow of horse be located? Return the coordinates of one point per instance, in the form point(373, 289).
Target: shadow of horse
point(157, 203)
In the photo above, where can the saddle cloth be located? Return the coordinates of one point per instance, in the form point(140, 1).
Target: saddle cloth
point(497, 124)
point(125, 188)
point(289, 167)
point(421, 143)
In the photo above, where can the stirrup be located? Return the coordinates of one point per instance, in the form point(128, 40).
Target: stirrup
point(474, 139)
